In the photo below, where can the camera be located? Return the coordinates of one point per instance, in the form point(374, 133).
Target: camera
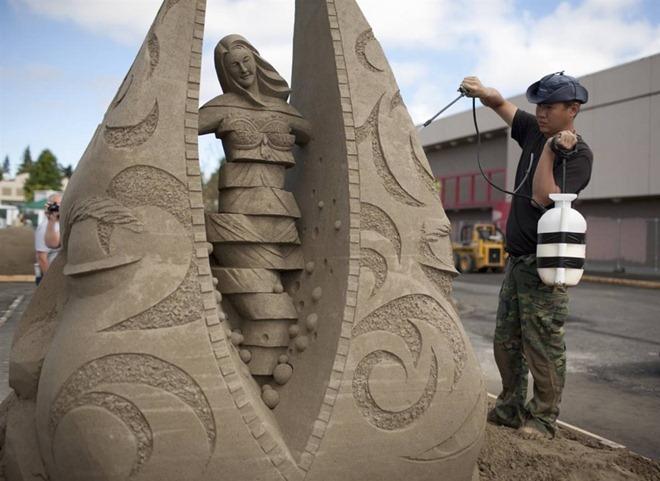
point(53, 208)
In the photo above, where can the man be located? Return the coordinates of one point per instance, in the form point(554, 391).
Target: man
point(47, 236)
point(529, 332)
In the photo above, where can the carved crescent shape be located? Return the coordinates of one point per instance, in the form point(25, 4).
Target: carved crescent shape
point(361, 51)
point(132, 135)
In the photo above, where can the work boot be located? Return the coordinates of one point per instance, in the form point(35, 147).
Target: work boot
point(494, 418)
point(532, 429)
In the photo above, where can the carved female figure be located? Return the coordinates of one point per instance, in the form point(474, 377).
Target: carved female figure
point(254, 234)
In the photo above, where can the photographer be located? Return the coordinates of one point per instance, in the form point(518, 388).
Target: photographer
point(47, 237)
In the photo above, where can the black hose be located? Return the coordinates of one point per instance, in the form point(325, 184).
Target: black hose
point(514, 193)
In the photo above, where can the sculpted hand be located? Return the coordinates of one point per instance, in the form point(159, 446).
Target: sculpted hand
point(473, 87)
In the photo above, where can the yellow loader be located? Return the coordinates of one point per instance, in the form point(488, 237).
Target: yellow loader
point(480, 248)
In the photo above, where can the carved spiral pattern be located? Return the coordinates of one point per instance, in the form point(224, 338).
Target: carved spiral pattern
point(130, 415)
point(383, 418)
point(396, 317)
point(81, 389)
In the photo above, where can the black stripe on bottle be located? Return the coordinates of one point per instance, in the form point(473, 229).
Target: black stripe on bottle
point(567, 262)
point(561, 238)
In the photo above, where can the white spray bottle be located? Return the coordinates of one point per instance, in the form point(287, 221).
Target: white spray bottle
point(561, 248)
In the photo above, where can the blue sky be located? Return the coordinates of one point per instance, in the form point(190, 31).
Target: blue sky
point(61, 61)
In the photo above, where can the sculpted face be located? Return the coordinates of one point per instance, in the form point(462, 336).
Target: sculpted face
point(241, 66)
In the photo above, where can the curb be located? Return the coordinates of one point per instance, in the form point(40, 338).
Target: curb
point(17, 278)
point(570, 427)
point(622, 282)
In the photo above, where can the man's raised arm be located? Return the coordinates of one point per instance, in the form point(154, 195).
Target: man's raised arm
point(490, 98)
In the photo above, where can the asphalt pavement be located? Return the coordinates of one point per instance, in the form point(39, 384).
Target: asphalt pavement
point(613, 356)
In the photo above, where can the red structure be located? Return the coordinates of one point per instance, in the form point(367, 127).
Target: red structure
point(469, 190)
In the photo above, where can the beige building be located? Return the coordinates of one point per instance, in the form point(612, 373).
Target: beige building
point(11, 190)
point(621, 124)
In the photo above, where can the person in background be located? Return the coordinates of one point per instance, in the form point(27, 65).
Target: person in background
point(47, 237)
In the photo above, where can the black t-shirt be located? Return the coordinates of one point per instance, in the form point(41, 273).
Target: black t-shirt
point(524, 216)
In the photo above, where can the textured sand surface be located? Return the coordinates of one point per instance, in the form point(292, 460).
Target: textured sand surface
point(507, 456)
point(16, 251)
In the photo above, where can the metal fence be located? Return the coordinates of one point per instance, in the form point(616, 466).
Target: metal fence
point(623, 245)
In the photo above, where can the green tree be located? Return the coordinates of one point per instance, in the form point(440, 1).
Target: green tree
point(26, 163)
point(210, 189)
point(6, 167)
point(210, 192)
point(67, 171)
point(44, 175)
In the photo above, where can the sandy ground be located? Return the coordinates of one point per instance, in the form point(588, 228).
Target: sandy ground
point(507, 456)
point(16, 251)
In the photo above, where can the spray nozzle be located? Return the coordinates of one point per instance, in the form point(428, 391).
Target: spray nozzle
point(463, 92)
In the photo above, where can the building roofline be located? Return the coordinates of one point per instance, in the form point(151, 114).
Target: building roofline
point(460, 125)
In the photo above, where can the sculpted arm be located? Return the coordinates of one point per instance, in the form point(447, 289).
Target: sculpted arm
point(209, 119)
point(302, 130)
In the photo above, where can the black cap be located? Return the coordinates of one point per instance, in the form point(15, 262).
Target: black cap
point(557, 87)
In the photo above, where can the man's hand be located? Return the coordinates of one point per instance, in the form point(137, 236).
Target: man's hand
point(565, 140)
point(490, 97)
point(473, 87)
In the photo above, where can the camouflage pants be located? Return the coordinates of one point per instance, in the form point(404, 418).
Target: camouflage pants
point(529, 336)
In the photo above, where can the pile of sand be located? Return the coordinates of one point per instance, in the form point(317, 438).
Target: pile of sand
point(16, 251)
point(507, 456)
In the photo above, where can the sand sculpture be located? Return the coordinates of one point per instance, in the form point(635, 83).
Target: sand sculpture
point(254, 234)
point(303, 332)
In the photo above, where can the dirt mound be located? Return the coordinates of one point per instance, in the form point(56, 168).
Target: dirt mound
point(507, 456)
point(16, 251)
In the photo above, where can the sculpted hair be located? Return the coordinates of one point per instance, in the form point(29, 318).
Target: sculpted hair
point(271, 84)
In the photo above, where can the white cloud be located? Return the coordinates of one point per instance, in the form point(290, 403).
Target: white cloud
point(502, 42)
point(432, 43)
